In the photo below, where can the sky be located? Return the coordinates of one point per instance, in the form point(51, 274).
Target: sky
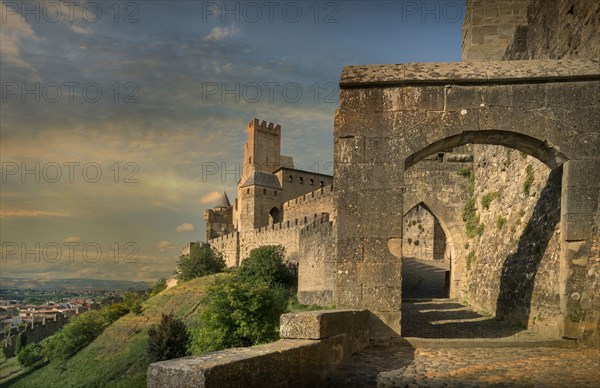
point(120, 122)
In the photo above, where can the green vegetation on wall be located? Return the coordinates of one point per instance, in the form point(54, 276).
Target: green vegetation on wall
point(488, 198)
point(529, 179)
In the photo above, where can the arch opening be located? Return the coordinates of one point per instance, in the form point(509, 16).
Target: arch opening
point(425, 265)
point(547, 153)
point(275, 216)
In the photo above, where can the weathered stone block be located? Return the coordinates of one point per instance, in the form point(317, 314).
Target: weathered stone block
point(573, 94)
point(424, 98)
point(384, 324)
point(350, 149)
point(325, 324)
point(369, 274)
point(360, 176)
point(529, 96)
point(577, 226)
point(386, 298)
point(580, 200)
point(292, 363)
point(464, 97)
point(582, 172)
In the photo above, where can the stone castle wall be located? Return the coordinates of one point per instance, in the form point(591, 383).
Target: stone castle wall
point(516, 267)
point(317, 266)
point(418, 234)
point(309, 205)
point(34, 332)
point(228, 246)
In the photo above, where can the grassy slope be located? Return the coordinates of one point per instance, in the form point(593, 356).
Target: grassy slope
point(117, 358)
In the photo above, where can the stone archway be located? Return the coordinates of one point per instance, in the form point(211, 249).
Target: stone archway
point(453, 228)
point(275, 215)
point(392, 116)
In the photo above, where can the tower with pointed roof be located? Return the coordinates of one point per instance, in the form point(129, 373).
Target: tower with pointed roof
point(219, 218)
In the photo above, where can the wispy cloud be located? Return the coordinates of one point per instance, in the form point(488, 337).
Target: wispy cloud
point(165, 246)
point(72, 239)
point(209, 198)
point(30, 214)
point(79, 30)
point(13, 34)
point(218, 34)
point(187, 227)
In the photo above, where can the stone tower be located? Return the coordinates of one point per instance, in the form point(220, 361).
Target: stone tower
point(259, 190)
point(263, 148)
point(219, 219)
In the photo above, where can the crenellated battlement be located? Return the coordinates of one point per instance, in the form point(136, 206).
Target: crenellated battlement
point(326, 191)
point(322, 225)
point(264, 126)
point(223, 238)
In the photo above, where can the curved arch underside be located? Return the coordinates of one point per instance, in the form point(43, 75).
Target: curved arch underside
point(542, 150)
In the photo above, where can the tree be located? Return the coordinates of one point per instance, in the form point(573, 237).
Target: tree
point(239, 313)
point(133, 300)
point(266, 264)
point(20, 341)
point(112, 312)
point(75, 335)
point(159, 286)
point(169, 340)
point(31, 355)
point(202, 261)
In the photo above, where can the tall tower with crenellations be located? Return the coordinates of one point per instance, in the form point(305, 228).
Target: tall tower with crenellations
point(259, 190)
point(263, 148)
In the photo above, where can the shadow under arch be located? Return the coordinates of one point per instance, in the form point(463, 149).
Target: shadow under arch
point(547, 153)
point(516, 286)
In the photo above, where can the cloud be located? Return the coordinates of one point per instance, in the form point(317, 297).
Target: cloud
point(72, 239)
point(14, 30)
point(187, 227)
point(31, 214)
point(218, 34)
point(165, 246)
point(79, 30)
point(209, 198)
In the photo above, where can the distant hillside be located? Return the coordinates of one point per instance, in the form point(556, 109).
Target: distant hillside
point(117, 358)
point(71, 284)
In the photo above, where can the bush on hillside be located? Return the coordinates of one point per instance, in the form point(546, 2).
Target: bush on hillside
point(31, 355)
point(170, 339)
point(74, 336)
point(202, 261)
point(239, 313)
point(159, 286)
point(265, 264)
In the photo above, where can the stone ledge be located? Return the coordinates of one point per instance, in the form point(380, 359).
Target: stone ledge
point(469, 72)
point(288, 362)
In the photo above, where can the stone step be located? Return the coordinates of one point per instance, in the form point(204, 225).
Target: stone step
point(508, 342)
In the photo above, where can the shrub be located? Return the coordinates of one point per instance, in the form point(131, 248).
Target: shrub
point(471, 219)
point(464, 172)
point(75, 335)
point(488, 198)
point(31, 355)
point(159, 286)
point(529, 178)
point(113, 312)
point(500, 221)
point(170, 339)
point(134, 300)
point(470, 259)
point(265, 264)
point(202, 261)
point(239, 313)
point(20, 341)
